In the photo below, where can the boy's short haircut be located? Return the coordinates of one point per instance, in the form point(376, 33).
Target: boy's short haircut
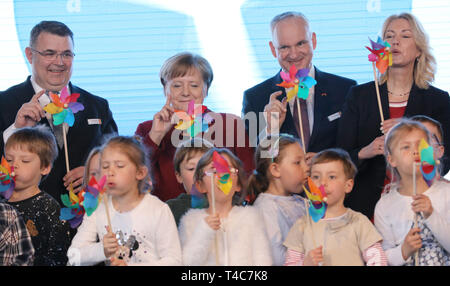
point(336, 154)
point(38, 140)
point(435, 123)
point(187, 149)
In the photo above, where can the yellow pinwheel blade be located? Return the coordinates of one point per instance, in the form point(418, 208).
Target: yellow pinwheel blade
point(52, 108)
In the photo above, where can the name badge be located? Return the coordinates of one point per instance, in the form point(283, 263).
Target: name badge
point(334, 116)
point(94, 121)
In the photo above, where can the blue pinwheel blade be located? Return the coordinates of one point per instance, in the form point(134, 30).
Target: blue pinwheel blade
point(66, 214)
point(309, 81)
point(70, 118)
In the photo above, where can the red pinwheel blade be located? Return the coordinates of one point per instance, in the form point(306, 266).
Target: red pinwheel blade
point(220, 163)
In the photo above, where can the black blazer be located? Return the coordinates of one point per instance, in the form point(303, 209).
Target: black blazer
point(329, 96)
point(81, 137)
point(360, 125)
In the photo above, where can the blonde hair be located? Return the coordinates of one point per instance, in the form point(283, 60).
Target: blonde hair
point(38, 140)
point(182, 64)
point(136, 153)
point(396, 132)
point(95, 151)
point(275, 145)
point(425, 65)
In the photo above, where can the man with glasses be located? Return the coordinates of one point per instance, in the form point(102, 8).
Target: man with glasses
point(50, 54)
point(293, 43)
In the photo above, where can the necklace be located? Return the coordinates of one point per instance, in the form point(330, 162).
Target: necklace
point(401, 94)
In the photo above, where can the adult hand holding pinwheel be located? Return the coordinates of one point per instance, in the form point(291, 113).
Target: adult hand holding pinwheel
point(297, 84)
point(193, 121)
point(381, 58)
point(63, 108)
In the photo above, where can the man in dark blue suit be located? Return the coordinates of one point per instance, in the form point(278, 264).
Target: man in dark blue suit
point(50, 54)
point(293, 44)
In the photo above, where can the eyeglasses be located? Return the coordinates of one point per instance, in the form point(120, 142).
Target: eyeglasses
point(51, 55)
point(213, 171)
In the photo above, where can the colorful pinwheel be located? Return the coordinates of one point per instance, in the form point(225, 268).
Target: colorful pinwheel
point(7, 183)
point(198, 200)
point(317, 200)
point(297, 82)
point(194, 120)
point(86, 201)
point(381, 54)
point(92, 194)
point(63, 107)
point(74, 211)
point(223, 173)
point(427, 162)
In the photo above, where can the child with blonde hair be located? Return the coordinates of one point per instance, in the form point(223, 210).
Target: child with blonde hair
point(223, 234)
point(31, 151)
point(277, 181)
point(413, 216)
point(342, 236)
point(129, 217)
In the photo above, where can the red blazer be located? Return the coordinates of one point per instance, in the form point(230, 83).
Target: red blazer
point(165, 185)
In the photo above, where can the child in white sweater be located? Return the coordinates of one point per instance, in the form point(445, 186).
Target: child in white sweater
point(223, 234)
point(395, 211)
point(139, 221)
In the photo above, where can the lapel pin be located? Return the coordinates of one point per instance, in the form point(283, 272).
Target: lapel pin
point(323, 94)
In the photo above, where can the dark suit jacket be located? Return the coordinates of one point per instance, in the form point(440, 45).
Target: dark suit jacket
point(329, 96)
point(81, 137)
point(360, 125)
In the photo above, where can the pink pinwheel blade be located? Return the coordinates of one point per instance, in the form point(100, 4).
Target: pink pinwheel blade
point(285, 76)
point(64, 94)
point(191, 105)
point(220, 163)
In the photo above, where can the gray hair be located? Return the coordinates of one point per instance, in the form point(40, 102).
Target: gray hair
point(286, 15)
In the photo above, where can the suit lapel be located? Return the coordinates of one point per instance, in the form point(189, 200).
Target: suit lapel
point(320, 88)
point(384, 101)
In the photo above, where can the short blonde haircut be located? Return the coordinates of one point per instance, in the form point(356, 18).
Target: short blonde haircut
point(38, 140)
point(425, 65)
point(182, 64)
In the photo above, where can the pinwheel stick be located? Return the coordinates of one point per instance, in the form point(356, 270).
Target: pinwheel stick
point(213, 205)
point(306, 201)
point(297, 100)
point(66, 153)
point(64, 126)
point(378, 91)
point(416, 255)
point(105, 201)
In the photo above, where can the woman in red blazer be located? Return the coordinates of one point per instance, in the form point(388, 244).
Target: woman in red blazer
point(405, 91)
point(187, 77)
